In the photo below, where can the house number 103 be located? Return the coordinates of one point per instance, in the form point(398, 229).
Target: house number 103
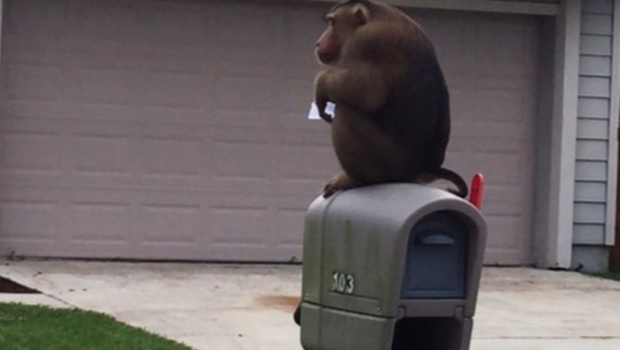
point(343, 283)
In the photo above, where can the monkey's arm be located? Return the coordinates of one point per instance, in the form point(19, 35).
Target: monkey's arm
point(362, 88)
point(320, 99)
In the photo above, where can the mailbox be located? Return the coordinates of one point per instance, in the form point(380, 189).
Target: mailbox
point(393, 266)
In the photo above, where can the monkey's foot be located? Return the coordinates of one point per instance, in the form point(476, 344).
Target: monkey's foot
point(337, 183)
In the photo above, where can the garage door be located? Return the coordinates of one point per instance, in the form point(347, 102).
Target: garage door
point(176, 129)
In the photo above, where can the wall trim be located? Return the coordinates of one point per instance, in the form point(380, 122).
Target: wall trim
point(496, 6)
point(614, 115)
point(559, 231)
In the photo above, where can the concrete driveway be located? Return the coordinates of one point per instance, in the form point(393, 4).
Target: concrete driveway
point(248, 307)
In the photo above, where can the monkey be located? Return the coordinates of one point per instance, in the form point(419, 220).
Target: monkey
point(392, 117)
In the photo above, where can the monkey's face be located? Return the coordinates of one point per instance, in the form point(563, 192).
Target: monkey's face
point(342, 22)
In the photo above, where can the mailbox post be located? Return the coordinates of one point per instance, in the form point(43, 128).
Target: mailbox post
point(394, 266)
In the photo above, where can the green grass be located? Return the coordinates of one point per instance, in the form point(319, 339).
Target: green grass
point(610, 275)
point(25, 327)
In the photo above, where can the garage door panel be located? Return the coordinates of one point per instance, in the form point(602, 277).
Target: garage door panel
point(96, 159)
point(316, 134)
point(453, 36)
point(287, 222)
point(99, 222)
point(476, 133)
point(511, 250)
point(106, 87)
point(305, 160)
point(508, 106)
point(508, 222)
point(174, 28)
point(245, 66)
point(31, 152)
point(176, 90)
point(28, 219)
point(146, 220)
point(166, 64)
point(29, 81)
point(251, 93)
point(499, 199)
point(39, 24)
point(101, 155)
point(242, 134)
point(258, 35)
point(241, 222)
point(111, 79)
point(500, 171)
point(509, 54)
point(103, 23)
point(174, 158)
point(170, 223)
point(218, 121)
point(242, 161)
point(461, 99)
point(292, 167)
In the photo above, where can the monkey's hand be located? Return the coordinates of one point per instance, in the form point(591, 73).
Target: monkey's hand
point(322, 106)
point(320, 96)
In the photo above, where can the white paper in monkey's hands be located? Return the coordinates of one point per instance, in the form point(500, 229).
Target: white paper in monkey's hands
point(314, 111)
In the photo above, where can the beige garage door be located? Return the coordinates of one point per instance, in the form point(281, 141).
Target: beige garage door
point(176, 129)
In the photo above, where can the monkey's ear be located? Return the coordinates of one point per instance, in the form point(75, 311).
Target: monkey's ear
point(362, 13)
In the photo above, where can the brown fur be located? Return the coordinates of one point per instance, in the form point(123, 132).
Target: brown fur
point(392, 121)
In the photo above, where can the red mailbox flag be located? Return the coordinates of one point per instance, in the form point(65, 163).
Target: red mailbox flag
point(477, 187)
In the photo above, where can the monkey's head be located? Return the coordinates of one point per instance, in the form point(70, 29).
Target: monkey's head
point(342, 22)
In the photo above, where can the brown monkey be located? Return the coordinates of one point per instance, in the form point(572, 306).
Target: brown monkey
point(392, 116)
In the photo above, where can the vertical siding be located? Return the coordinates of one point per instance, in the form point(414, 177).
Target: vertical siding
point(594, 124)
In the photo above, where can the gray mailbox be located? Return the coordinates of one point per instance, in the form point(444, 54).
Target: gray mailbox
point(393, 266)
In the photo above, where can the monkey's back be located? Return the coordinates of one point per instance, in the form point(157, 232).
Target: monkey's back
point(417, 112)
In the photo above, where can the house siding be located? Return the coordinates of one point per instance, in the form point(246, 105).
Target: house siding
point(595, 127)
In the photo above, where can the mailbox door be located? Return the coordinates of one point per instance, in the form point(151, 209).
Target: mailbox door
point(436, 261)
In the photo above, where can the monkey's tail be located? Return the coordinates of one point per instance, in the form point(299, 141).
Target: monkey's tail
point(447, 174)
point(444, 174)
